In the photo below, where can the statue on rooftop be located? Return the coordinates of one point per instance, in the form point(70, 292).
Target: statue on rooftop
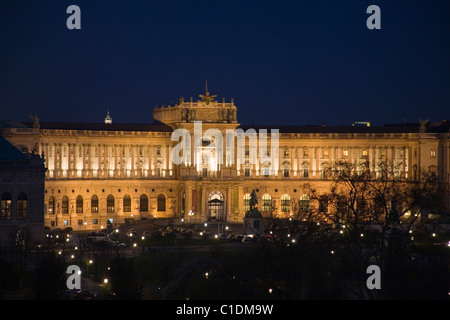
point(206, 97)
point(35, 121)
point(423, 125)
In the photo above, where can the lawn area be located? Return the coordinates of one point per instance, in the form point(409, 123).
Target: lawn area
point(158, 268)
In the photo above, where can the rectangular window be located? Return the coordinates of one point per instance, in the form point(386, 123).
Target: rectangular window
point(345, 153)
point(286, 173)
point(433, 153)
point(305, 173)
point(22, 179)
point(94, 221)
point(305, 152)
point(247, 172)
point(7, 179)
point(22, 209)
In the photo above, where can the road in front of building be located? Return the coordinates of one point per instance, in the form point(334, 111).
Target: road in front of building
point(213, 228)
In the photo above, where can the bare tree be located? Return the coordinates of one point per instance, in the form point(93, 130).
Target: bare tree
point(359, 200)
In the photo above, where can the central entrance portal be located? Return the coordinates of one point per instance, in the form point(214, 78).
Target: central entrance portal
point(215, 206)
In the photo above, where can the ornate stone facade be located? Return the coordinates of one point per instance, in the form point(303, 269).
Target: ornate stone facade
point(100, 173)
point(22, 178)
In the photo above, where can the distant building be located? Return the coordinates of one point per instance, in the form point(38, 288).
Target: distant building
point(22, 180)
point(105, 173)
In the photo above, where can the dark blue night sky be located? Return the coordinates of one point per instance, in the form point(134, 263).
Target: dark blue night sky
point(283, 62)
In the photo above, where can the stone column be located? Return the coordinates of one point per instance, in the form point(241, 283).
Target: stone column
point(293, 167)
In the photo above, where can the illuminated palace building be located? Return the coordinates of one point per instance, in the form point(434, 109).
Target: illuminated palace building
point(106, 173)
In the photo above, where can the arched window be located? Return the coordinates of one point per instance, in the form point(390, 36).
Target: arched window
point(6, 206)
point(94, 204)
point(143, 203)
point(247, 197)
point(22, 205)
point(126, 203)
point(65, 205)
point(110, 203)
point(79, 204)
point(266, 204)
point(161, 202)
point(323, 203)
point(285, 203)
point(305, 169)
point(304, 203)
point(325, 171)
point(51, 205)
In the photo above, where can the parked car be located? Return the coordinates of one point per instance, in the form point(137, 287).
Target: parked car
point(237, 237)
point(271, 238)
point(131, 233)
point(146, 234)
point(222, 236)
point(119, 244)
point(248, 239)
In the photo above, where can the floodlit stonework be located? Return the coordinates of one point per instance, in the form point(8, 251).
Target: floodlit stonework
point(101, 173)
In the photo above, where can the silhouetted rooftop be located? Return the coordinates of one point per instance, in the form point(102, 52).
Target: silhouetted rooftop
point(9, 152)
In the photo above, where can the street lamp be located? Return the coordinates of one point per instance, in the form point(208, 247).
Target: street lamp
point(190, 214)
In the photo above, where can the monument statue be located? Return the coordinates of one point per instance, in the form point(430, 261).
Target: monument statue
point(253, 200)
point(253, 218)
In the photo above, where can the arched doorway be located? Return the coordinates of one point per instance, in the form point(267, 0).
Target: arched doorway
point(215, 206)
